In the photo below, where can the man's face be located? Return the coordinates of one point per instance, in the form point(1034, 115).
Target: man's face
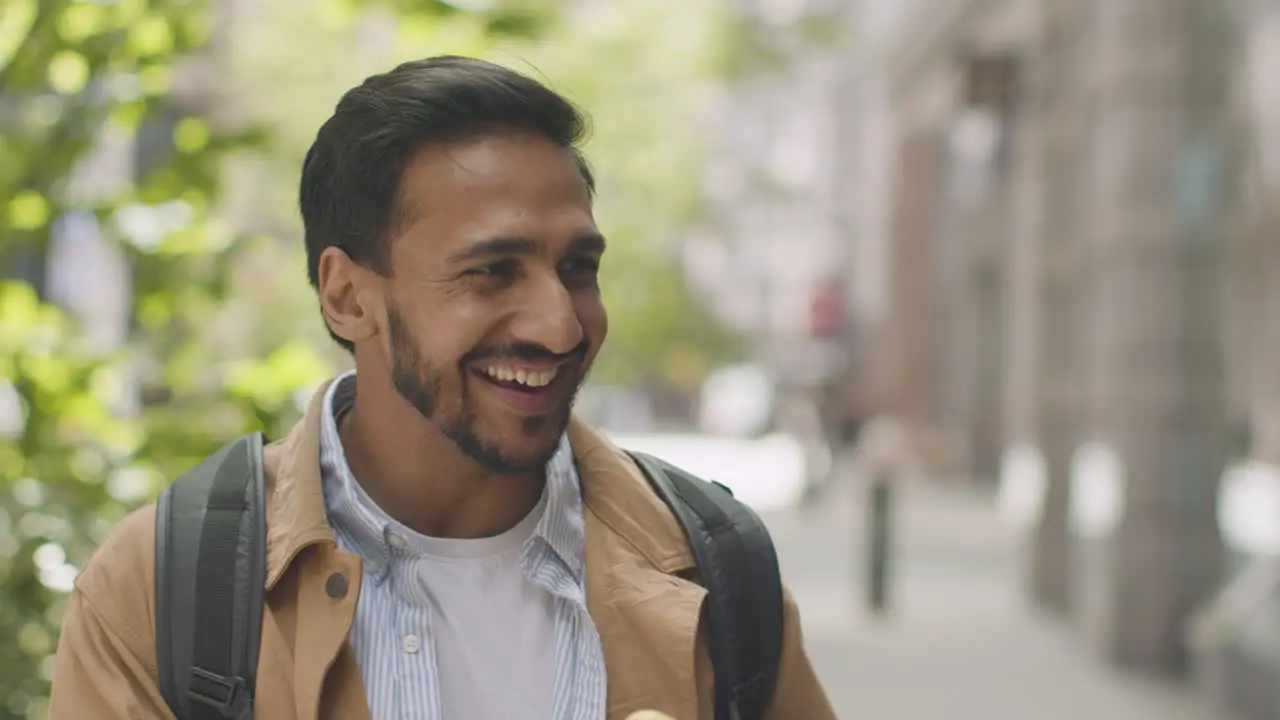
point(493, 311)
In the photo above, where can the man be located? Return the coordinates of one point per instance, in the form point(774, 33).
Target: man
point(444, 540)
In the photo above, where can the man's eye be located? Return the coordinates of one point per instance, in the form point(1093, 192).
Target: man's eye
point(505, 268)
point(582, 265)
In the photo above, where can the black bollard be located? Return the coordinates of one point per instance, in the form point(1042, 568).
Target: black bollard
point(879, 527)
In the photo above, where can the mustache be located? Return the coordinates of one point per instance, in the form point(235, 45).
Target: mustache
point(524, 351)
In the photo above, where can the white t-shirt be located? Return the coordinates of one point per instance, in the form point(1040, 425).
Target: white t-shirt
point(493, 629)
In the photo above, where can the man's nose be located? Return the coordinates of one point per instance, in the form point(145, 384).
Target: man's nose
point(546, 315)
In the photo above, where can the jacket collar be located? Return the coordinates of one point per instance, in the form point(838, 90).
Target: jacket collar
point(613, 490)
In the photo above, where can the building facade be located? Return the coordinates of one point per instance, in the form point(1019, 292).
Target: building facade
point(1069, 203)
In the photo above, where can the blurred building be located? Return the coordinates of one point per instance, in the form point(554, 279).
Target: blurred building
point(1070, 203)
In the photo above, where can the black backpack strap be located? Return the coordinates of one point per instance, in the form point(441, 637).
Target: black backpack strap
point(739, 568)
point(210, 557)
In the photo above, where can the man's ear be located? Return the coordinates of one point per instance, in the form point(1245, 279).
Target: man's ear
point(347, 295)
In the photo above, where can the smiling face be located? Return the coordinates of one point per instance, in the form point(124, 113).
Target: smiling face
point(492, 313)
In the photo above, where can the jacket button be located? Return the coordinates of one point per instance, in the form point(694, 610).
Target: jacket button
point(336, 586)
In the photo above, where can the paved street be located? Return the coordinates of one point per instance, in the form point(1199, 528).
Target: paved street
point(960, 643)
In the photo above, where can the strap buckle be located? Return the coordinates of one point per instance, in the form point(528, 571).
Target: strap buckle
point(226, 695)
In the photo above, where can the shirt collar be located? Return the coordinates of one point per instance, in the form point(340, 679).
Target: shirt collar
point(353, 513)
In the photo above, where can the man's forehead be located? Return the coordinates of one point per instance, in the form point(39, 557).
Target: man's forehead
point(527, 168)
point(493, 188)
point(489, 162)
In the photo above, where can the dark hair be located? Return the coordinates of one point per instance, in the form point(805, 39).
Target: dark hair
point(349, 193)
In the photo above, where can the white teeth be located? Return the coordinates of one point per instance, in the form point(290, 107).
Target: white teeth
point(524, 377)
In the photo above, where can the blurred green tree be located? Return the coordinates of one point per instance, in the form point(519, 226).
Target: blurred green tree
point(89, 429)
point(100, 145)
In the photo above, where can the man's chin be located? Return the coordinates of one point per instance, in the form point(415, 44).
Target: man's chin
point(509, 461)
point(512, 453)
point(510, 443)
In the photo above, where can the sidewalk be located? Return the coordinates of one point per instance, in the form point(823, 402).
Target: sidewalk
point(961, 641)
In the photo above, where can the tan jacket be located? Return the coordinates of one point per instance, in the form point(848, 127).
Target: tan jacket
point(638, 565)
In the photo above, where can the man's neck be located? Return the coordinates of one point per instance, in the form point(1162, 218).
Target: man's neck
point(421, 478)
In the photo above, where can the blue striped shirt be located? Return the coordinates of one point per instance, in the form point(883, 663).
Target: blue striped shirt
point(402, 682)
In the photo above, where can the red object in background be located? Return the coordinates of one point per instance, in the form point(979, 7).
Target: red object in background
point(826, 311)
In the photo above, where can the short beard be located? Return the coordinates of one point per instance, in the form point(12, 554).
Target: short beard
point(420, 382)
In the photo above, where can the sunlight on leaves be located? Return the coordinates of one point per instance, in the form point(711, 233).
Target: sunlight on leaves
point(28, 210)
point(28, 492)
point(154, 311)
point(34, 638)
point(19, 309)
point(151, 36)
point(15, 22)
point(80, 21)
point(68, 72)
point(191, 135)
point(128, 115)
point(272, 381)
point(155, 79)
point(50, 375)
point(55, 574)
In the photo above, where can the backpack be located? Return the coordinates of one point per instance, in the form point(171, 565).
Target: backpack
point(209, 574)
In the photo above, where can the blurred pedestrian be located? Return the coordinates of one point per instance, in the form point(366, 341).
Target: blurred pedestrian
point(883, 452)
point(883, 458)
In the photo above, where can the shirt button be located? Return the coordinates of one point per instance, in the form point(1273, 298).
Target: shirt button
point(411, 644)
point(336, 586)
point(398, 542)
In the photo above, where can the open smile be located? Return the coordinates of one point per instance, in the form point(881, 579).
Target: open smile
point(526, 389)
point(531, 379)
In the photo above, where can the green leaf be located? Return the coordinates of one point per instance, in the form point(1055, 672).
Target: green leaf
point(151, 36)
point(272, 382)
point(19, 306)
point(155, 80)
point(28, 210)
point(15, 23)
point(81, 20)
point(68, 72)
point(191, 135)
point(128, 115)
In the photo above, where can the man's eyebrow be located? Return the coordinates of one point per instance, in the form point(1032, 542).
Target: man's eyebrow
point(494, 246)
point(589, 242)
